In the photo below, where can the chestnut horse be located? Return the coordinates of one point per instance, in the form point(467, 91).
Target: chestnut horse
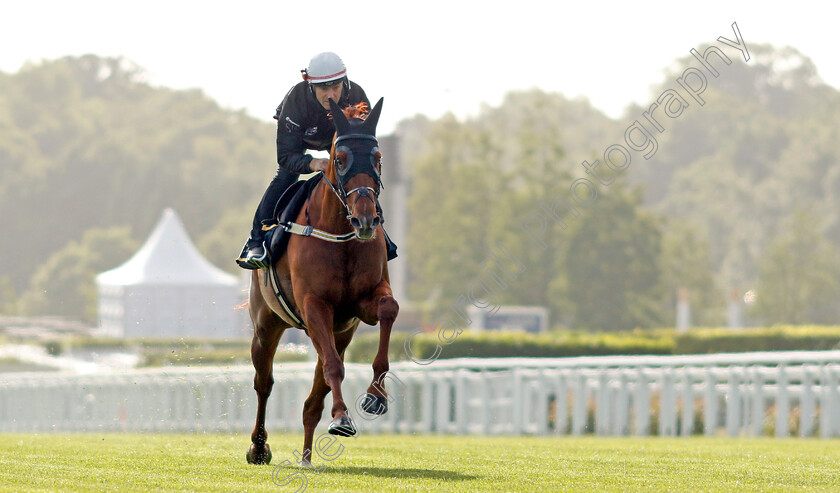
point(330, 284)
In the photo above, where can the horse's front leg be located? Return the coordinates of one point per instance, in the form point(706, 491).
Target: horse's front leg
point(319, 320)
point(385, 308)
point(314, 405)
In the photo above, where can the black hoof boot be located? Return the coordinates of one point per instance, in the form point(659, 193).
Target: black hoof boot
point(374, 404)
point(257, 456)
point(342, 427)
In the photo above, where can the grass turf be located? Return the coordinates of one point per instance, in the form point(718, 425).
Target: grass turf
point(385, 463)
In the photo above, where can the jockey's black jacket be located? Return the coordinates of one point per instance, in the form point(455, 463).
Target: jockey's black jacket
point(302, 123)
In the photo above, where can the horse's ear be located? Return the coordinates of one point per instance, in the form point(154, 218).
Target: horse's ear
point(342, 126)
point(373, 117)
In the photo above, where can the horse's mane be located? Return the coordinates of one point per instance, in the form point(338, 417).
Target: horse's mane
point(359, 111)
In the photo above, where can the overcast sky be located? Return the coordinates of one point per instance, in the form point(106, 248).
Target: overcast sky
point(425, 57)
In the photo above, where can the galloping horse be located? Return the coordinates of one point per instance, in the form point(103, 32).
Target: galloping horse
point(330, 284)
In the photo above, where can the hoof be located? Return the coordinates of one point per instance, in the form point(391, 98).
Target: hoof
point(256, 456)
point(342, 427)
point(374, 404)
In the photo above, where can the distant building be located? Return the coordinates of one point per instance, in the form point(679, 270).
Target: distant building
point(524, 318)
point(168, 289)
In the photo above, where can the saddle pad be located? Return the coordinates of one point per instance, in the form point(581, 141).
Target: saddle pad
point(286, 211)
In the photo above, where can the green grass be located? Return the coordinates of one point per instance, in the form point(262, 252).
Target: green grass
point(385, 463)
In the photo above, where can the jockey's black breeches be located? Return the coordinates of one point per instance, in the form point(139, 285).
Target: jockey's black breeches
point(281, 181)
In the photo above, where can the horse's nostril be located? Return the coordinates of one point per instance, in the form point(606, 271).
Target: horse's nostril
point(375, 223)
point(354, 221)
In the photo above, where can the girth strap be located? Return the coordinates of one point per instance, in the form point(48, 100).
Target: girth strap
point(299, 229)
point(278, 293)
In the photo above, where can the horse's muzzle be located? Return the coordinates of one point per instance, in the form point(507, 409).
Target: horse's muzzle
point(365, 227)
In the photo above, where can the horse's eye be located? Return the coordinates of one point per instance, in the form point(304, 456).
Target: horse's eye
point(341, 156)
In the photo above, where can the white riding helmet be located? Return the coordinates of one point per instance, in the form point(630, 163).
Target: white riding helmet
point(324, 68)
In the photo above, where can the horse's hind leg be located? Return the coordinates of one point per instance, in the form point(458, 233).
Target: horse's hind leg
point(263, 346)
point(387, 308)
point(313, 407)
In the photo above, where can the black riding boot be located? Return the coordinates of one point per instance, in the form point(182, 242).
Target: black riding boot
point(254, 254)
point(390, 245)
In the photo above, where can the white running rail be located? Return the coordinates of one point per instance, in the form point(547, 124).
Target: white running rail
point(743, 394)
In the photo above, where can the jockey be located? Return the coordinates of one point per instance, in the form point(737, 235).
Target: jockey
point(303, 123)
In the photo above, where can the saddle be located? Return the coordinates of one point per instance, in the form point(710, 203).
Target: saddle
point(282, 226)
point(285, 212)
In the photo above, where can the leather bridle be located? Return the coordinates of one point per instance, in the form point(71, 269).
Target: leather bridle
point(344, 174)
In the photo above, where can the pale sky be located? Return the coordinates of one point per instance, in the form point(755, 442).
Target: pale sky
point(425, 57)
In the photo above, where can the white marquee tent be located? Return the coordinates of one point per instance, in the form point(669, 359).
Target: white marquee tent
point(167, 289)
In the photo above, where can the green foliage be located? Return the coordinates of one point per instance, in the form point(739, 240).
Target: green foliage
point(613, 264)
point(174, 352)
point(65, 283)
point(779, 338)
point(86, 143)
point(449, 196)
point(363, 347)
point(197, 356)
point(763, 145)
point(476, 181)
point(726, 172)
point(8, 297)
point(799, 275)
point(185, 352)
point(226, 236)
point(687, 264)
point(511, 344)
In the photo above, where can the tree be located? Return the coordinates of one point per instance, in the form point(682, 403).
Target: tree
point(86, 143)
point(687, 263)
point(799, 275)
point(8, 297)
point(613, 264)
point(221, 243)
point(450, 209)
point(475, 182)
point(763, 144)
point(65, 283)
